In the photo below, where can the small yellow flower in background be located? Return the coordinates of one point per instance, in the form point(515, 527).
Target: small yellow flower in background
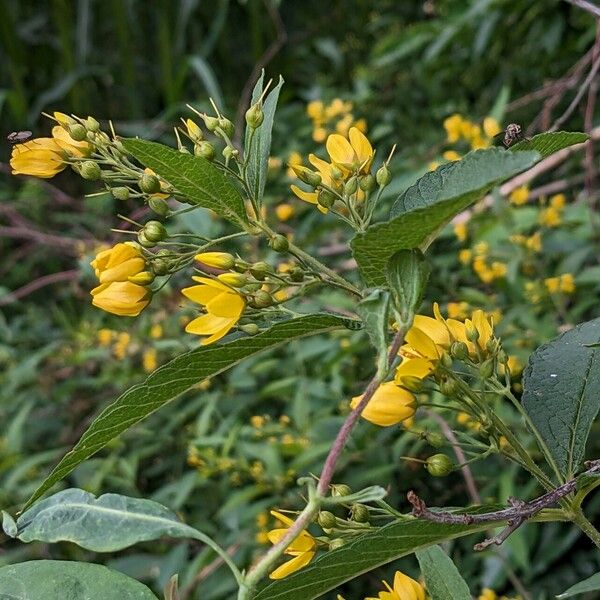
point(274, 163)
point(458, 310)
point(464, 256)
point(352, 154)
point(284, 211)
point(156, 331)
point(389, 405)
point(487, 594)
point(533, 291)
point(499, 269)
point(302, 549)
point(433, 165)
point(122, 345)
point(105, 336)
point(451, 155)
point(481, 249)
point(491, 127)
point(534, 242)
point(224, 307)
point(461, 232)
point(567, 283)
point(319, 134)
point(519, 196)
point(149, 360)
point(550, 217)
point(552, 284)
point(453, 127)
point(343, 125)
point(294, 160)
point(405, 588)
point(558, 201)
point(316, 110)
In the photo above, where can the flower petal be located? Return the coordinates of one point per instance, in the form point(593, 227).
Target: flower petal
point(340, 150)
point(292, 566)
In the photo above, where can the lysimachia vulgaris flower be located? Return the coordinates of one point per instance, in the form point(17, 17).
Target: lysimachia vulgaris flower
point(122, 276)
point(324, 169)
point(353, 155)
point(302, 549)
point(46, 157)
point(405, 588)
point(429, 338)
point(389, 405)
point(224, 306)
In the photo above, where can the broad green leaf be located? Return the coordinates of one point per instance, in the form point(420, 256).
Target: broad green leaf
point(195, 178)
point(561, 393)
point(442, 579)
point(364, 554)
point(176, 377)
point(549, 143)
point(424, 208)
point(108, 523)
point(407, 273)
point(257, 143)
point(8, 525)
point(591, 584)
point(53, 579)
point(374, 311)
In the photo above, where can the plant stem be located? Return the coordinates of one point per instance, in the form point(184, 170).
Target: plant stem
point(582, 522)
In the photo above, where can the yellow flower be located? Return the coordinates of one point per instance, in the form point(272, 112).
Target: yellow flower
point(319, 134)
point(122, 345)
point(458, 310)
point(499, 269)
point(433, 165)
point(461, 231)
point(224, 307)
point(451, 155)
point(519, 196)
point(284, 211)
point(491, 127)
point(121, 298)
point(316, 110)
point(389, 405)
point(218, 260)
point(361, 125)
point(550, 217)
point(452, 125)
point(294, 160)
point(534, 242)
point(118, 263)
point(487, 594)
point(405, 588)
point(149, 360)
point(355, 153)
point(567, 283)
point(274, 163)
point(464, 256)
point(302, 549)
point(325, 171)
point(552, 284)
point(481, 249)
point(558, 201)
point(156, 331)
point(105, 336)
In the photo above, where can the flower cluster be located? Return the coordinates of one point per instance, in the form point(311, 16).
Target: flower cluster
point(335, 117)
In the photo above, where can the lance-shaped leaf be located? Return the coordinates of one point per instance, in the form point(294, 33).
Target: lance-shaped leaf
point(591, 584)
point(549, 143)
point(561, 393)
point(53, 579)
point(257, 142)
point(199, 181)
point(176, 377)
point(425, 208)
point(407, 274)
point(374, 311)
point(442, 579)
point(364, 554)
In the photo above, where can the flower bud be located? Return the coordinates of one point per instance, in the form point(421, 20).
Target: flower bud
point(149, 183)
point(502, 357)
point(77, 132)
point(340, 489)
point(92, 125)
point(486, 369)
point(218, 260)
point(367, 183)
point(383, 176)
point(350, 186)
point(160, 266)
point(360, 513)
point(439, 465)
point(249, 328)
point(229, 152)
point(306, 175)
point(144, 241)
point(226, 126)
point(255, 116)
point(205, 150)
point(336, 173)
point(143, 278)
point(120, 193)
point(326, 519)
point(90, 170)
point(471, 331)
point(279, 243)
point(459, 350)
point(159, 206)
point(435, 439)
point(412, 383)
point(233, 279)
point(491, 346)
point(259, 270)
point(446, 360)
point(326, 198)
point(211, 122)
point(193, 131)
point(296, 274)
point(337, 543)
point(262, 299)
point(155, 231)
point(448, 387)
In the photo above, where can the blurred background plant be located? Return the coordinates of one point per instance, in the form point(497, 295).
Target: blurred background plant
point(228, 452)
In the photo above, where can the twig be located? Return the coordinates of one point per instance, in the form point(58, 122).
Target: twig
point(518, 512)
point(36, 284)
point(587, 6)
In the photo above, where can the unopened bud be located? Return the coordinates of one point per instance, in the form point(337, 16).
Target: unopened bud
point(90, 170)
point(459, 350)
point(486, 369)
point(448, 387)
point(226, 126)
point(446, 360)
point(502, 357)
point(360, 513)
point(335, 172)
point(205, 150)
point(471, 331)
point(155, 231)
point(439, 465)
point(144, 241)
point(249, 328)
point(435, 439)
point(143, 278)
point(255, 116)
point(77, 132)
point(160, 266)
point(262, 299)
point(92, 125)
point(296, 274)
point(367, 183)
point(218, 260)
point(491, 345)
point(340, 489)
point(149, 183)
point(259, 270)
point(412, 383)
point(229, 152)
point(159, 206)
point(279, 243)
point(306, 175)
point(326, 198)
point(383, 176)
point(326, 519)
point(193, 130)
point(211, 122)
point(120, 193)
point(233, 279)
point(351, 186)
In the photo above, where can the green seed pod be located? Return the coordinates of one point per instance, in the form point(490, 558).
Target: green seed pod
point(383, 176)
point(90, 170)
point(149, 184)
point(326, 198)
point(326, 519)
point(155, 231)
point(486, 369)
point(159, 206)
point(205, 150)
point(259, 270)
point(350, 186)
point(368, 183)
point(340, 490)
point(435, 439)
point(120, 193)
point(144, 241)
point(279, 243)
point(255, 116)
point(262, 299)
point(143, 278)
point(439, 465)
point(360, 513)
point(337, 543)
point(226, 126)
point(249, 328)
point(92, 125)
point(77, 132)
point(459, 350)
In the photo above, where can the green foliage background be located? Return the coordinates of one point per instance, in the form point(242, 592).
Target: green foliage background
point(406, 66)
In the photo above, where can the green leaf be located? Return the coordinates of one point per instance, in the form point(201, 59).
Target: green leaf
point(364, 554)
point(108, 523)
point(426, 207)
point(549, 143)
point(8, 525)
point(50, 579)
point(257, 142)
point(407, 273)
point(374, 311)
point(197, 179)
point(561, 393)
point(176, 377)
point(442, 579)
point(591, 584)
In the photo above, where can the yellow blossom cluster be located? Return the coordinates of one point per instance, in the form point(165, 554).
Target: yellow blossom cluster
point(519, 196)
point(335, 117)
point(551, 215)
point(532, 243)
point(489, 594)
point(486, 270)
point(459, 128)
point(561, 284)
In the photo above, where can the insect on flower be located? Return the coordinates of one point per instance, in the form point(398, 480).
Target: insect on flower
point(18, 137)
